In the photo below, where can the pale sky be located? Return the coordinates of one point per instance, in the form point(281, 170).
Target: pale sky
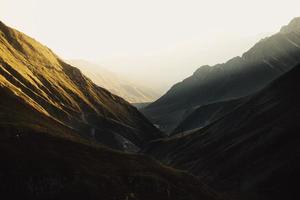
point(159, 42)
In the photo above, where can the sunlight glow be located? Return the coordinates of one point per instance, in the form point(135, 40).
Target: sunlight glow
point(158, 41)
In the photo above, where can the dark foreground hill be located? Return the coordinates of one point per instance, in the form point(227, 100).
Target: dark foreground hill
point(239, 77)
point(37, 78)
point(37, 166)
point(252, 152)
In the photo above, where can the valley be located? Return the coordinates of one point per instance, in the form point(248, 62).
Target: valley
point(229, 131)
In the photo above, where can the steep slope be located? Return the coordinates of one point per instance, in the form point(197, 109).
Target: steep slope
point(207, 114)
point(252, 152)
point(47, 109)
point(240, 76)
point(130, 91)
point(141, 105)
point(58, 91)
point(36, 166)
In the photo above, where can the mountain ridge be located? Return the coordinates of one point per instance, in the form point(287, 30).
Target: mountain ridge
point(238, 77)
point(41, 79)
point(48, 149)
point(129, 90)
point(252, 152)
point(293, 26)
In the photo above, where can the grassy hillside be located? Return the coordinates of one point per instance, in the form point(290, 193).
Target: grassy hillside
point(40, 79)
point(36, 166)
point(252, 152)
point(52, 123)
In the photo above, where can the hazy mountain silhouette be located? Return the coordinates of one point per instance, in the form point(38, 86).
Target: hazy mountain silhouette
point(33, 76)
point(240, 76)
point(252, 152)
point(129, 90)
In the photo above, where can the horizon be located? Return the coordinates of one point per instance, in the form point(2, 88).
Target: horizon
point(123, 36)
point(143, 100)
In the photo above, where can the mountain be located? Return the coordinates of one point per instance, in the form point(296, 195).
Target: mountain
point(239, 77)
point(47, 88)
point(293, 26)
point(130, 91)
point(252, 152)
point(205, 115)
point(47, 149)
point(37, 166)
point(140, 105)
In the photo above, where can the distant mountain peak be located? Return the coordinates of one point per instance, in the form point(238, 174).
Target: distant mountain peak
point(293, 26)
point(129, 90)
point(202, 69)
point(238, 77)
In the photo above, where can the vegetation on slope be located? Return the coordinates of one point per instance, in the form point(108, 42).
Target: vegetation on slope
point(252, 152)
point(40, 79)
point(36, 166)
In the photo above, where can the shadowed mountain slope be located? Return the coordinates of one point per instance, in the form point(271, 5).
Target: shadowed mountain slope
point(36, 166)
point(60, 92)
point(129, 90)
point(252, 152)
point(239, 77)
point(207, 114)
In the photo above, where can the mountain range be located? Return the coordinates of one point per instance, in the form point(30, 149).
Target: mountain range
point(227, 132)
point(241, 76)
point(58, 130)
point(129, 90)
point(34, 78)
point(252, 152)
